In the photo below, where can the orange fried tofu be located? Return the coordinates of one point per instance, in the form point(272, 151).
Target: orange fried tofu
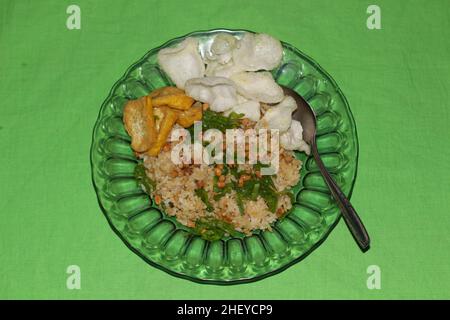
point(188, 117)
point(140, 123)
point(168, 121)
point(165, 91)
point(176, 101)
point(172, 97)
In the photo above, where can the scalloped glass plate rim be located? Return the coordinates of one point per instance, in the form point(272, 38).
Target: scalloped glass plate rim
point(318, 67)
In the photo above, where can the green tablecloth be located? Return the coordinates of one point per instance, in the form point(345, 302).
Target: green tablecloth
point(53, 81)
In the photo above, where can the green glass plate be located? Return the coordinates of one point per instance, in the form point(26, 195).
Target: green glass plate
point(164, 243)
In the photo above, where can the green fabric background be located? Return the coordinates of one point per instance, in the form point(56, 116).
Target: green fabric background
point(53, 81)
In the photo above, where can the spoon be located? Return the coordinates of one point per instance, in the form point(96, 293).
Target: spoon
point(307, 118)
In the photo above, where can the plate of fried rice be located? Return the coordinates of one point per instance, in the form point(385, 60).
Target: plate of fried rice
point(199, 167)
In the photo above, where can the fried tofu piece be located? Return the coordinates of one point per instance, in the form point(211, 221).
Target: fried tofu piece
point(165, 91)
point(165, 127)
point(150, 119)
point(171, 96)
point(188, 117)
point(176, 101)
point(140, 123)
point(150, 115)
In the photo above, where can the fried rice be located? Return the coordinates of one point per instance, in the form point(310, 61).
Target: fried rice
point(176, 185)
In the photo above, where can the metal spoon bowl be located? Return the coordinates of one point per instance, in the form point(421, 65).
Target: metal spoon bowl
point(307, 118)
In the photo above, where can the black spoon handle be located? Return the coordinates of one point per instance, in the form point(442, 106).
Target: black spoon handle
point(351, 218)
